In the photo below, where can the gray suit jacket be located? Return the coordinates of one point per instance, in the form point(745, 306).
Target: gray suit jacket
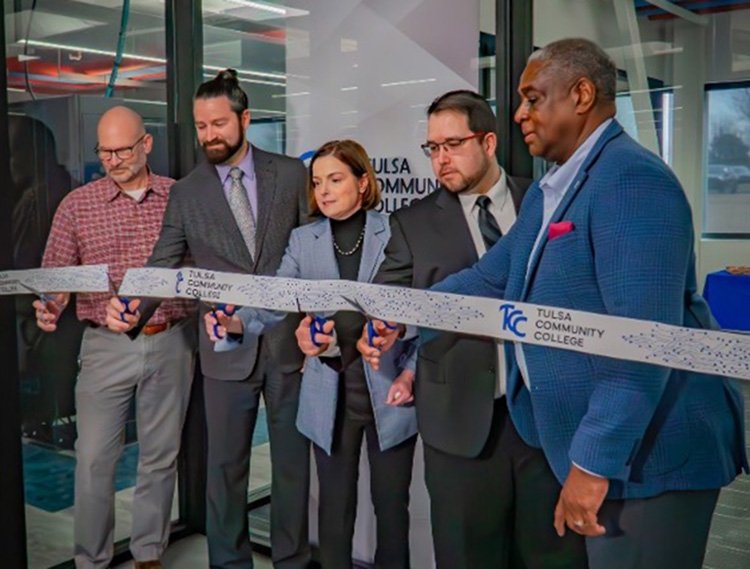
point(199, 224)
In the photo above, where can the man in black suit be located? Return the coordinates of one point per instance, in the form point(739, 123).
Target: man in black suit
point(491, 497)
point(235, 213)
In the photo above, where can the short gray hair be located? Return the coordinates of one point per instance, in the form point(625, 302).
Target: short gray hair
point(574, 58)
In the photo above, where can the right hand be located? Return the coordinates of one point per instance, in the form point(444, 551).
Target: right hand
point(48, 312)
point(118, 319)
point(385, 336)
point(304, 338)
point(219, 321)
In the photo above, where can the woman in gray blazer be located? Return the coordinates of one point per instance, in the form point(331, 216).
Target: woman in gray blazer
point(342, 399)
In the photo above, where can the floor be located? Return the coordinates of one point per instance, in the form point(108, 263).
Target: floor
point(49, 490)
point(192, 553)
point(50, 532)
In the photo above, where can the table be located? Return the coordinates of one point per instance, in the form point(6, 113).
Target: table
point(729, 298)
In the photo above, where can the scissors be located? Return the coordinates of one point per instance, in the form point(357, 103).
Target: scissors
point(45, 298)
point(371, 332)
point(124, 299)
point(214, 306)
point(316, 326)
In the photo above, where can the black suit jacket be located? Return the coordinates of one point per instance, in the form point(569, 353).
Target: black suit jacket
point(456, 375)
point(198, 222)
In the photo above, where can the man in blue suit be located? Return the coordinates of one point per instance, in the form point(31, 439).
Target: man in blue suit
point(641, 450)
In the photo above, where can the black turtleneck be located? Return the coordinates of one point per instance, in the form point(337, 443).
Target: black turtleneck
point(355, 395)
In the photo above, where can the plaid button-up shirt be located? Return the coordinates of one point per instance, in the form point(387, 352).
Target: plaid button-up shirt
point(98, 223)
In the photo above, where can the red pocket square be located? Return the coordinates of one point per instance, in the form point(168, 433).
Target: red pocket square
point(559, 229)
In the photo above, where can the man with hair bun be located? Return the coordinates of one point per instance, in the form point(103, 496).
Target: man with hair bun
point(235, 212)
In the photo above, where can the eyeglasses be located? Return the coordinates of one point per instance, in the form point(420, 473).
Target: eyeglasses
point(450, 145)
point(124, 153)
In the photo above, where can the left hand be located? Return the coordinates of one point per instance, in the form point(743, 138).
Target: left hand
point(580, 499)
point(400, 392)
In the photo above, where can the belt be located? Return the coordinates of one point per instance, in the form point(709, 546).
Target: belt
point(151, 329)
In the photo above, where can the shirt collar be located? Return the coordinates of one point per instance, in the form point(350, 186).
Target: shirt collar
point(498, 194)
point(112, 190)
point(560, 176)
point(246, 165)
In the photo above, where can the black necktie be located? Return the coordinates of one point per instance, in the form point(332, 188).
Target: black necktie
point(488, 226)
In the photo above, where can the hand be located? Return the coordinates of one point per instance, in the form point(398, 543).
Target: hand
point(400, 392)
point(305, 341)
point(220, 322)
point(122, 317)
point(580, 499)
point(372, 347)
point(48, 311)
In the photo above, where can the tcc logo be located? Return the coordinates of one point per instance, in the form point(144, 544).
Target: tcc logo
point(177, 284)
point(512, 318)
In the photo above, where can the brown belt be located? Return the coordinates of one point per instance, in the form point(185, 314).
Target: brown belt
point(151, 329)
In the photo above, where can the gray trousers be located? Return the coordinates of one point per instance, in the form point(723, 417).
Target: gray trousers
point(666, 532)
point(158, 371)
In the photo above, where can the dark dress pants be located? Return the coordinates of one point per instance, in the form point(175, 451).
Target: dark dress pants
point(390, 477)
point(231, 412)
point(669, 531)
point(496, 511)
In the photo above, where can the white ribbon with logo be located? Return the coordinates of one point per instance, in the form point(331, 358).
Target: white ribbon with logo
point(708, 351)
point(82, 278)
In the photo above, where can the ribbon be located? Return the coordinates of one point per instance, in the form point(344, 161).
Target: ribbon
point(706, 351)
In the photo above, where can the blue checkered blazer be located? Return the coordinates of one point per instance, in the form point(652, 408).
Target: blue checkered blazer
point(648, 429)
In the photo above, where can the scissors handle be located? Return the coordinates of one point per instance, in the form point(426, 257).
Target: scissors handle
point(371, 333)
point(316, 327)
point(223, 307)
point(126, 301)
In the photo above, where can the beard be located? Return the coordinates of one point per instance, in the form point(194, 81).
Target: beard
point(461, 182)
point(221, 151)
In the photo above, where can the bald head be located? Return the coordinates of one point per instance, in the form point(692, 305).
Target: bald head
point(121, 129)
point(119, 122)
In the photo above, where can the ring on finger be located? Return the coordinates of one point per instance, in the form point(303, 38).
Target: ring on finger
point(579, 523)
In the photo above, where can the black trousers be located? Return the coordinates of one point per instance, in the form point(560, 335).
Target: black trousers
point(669, 531)
point(390, 477)
point(496, 511)
point(231, 412)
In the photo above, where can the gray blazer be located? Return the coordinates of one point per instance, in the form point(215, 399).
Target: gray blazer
point(199, 225)
point(310, 255)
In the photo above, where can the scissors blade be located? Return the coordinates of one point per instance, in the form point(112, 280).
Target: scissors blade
point(31, 289)
point(358, 307)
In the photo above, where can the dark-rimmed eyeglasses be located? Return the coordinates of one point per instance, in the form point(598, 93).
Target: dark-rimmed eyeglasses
point(450, 145)
point(123, 153)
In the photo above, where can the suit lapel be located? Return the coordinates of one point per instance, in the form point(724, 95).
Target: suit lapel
point(374, 243)
point(324, 263)
point(265, 182)
point(453, 228)
point(612, 131)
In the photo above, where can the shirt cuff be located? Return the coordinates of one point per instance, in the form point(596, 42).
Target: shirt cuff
point(588, 471)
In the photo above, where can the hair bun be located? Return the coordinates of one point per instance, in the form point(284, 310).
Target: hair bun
point(228, 75)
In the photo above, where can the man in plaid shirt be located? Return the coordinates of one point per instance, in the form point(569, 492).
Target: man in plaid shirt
point(116, 220)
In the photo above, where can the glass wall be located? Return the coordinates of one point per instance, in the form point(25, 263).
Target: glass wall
point(59, 59)
point(683, 93)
